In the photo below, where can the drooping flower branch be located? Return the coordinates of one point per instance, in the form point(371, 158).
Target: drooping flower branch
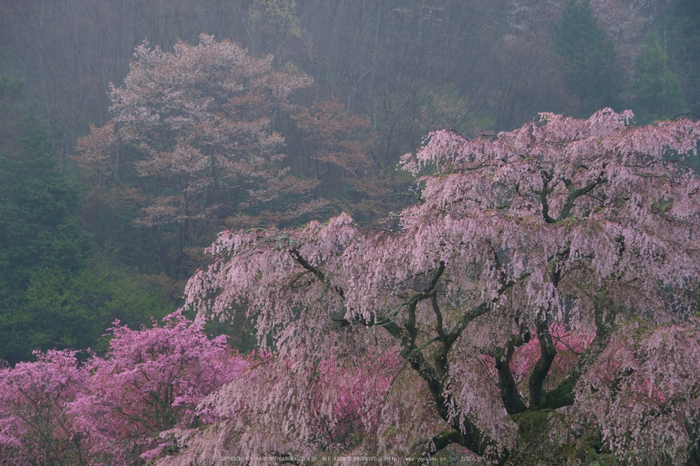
point(563, 226)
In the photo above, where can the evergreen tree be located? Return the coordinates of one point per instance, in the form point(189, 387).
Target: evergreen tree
point(37, 204)
point(590, 60)
point(55, 289)
point(39, 228)
point(658, 89)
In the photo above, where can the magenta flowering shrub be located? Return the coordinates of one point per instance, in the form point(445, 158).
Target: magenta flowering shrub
point(36, 426)
point(352, 398)
point(112, 410)
point(150, 381)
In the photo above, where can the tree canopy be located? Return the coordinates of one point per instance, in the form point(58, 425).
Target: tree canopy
point(193, 141)
point(565, 240)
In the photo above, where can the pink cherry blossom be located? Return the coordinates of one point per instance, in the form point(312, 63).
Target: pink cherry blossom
point(510, 290)
point(150, 381)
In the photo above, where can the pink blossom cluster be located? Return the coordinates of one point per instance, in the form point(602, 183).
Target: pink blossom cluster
point(36, 423)
point(111, 410)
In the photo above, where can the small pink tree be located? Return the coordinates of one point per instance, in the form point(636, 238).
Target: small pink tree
point(36, 426)
point(150, 381)
point(580, 226)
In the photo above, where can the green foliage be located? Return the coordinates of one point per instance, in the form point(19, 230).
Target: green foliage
point(272, 24)
point(10, 90)
point(55, 290)
point(658, 90)
point(61, 309)
point(445, 107)
point(76, 310)
point(37, 210)
point(278, 15)
point(589, 57)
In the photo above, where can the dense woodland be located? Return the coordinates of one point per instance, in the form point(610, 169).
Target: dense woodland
point(133, 133)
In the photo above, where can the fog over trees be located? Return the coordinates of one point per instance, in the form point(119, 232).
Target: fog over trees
point(342, 231)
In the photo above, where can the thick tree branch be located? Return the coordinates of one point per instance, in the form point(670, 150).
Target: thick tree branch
point(440, 358)
point(438, 318)
point(546, 190)
point(538, 396)
point(316, 271)
point(512, 400)
point(574, 193)
point(605, 314)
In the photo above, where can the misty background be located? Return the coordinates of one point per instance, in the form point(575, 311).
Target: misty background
point(75, 252)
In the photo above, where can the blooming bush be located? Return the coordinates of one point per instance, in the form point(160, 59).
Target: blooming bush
point(111, 410)
point(36, 426)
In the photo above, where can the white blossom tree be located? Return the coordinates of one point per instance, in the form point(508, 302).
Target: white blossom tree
point(192, 138)
point(538, 298)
